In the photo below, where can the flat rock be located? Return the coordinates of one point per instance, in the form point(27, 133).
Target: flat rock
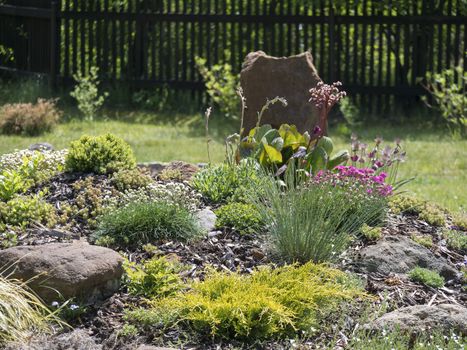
point(206, 219)
point(70, 270)
point(444, 317)
point(400, 254)
point(41, 146)
point(265, 77)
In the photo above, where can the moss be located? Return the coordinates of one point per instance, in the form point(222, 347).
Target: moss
point(405, 205)
point(370, 233)
point(427, 277)
point(433, 215)
point(456, 240)
point(423, 240)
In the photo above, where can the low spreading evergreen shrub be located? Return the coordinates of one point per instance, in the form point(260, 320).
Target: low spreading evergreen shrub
point(270, 303)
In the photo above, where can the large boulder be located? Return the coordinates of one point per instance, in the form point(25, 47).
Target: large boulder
point(265, 77)
point(400, 254)
point(420, 318)
point(68, 270)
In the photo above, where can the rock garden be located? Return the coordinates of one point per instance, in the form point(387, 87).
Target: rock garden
point(288, 244)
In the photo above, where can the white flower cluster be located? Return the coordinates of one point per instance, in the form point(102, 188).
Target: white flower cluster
point(174, 192)
point(53, 161)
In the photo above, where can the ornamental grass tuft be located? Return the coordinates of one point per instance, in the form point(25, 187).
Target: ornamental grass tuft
point(22, 314)
point(139, 223)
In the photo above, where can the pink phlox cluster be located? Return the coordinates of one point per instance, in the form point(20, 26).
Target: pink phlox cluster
point(354, 178)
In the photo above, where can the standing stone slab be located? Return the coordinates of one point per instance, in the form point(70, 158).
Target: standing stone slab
point(75, 270)
point(265, 77)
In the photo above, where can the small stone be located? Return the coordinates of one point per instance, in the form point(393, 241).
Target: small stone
point(41, 146)
point(400, 254)
point(422, 318)
point(257, 254)
point(67, 270)
point(206, 219)
point(214, 233)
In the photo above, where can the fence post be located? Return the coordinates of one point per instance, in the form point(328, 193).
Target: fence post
point(54, 44)
point(332, 24)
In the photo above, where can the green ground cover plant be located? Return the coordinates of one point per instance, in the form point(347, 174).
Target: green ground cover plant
point(222, 182)
point(101, 155)
point(427, 277)
point(128, 179)
point(241, 217)
point(139, 223)
point(21, 211)
point(157, 277)
point(424, 240)
point(456, 240)
point(270, 303)
point(370, 233)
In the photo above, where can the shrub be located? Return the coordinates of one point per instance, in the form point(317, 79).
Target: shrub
point(427, 277)
point(370, 233)
point(222, 182)
point(13, 182)
point(86, 93)
point(448, 90)
point(243, 218)
point(100, 154)
point(29, 119)
point(157, 277)
point(456, 240)
point(423, 240)
point(316, 221)
point(221, 85)
point(270, 303)
point(21, 211)
point(22, 312)
point(127, 179)
point(146, 222)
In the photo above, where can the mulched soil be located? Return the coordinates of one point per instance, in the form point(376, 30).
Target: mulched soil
point(230, 251)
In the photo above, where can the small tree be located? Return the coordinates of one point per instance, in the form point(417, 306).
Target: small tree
point(86, 93)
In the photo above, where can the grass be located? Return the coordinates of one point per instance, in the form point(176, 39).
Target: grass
point(438, 161)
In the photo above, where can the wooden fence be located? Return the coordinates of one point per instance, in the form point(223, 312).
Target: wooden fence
point(378, 49)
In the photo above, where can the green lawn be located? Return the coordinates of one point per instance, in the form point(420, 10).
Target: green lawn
point(438, 162)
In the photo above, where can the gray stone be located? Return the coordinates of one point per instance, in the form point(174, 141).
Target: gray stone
point(444, 317)
point(265, 77)
point(77, 339)
point(41, 146)
point(70, 270)
point(400, 254)
point(206, 219)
